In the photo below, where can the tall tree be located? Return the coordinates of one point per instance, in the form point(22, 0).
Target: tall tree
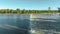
point(18, 10)
point(49, 9)
point(58, 9)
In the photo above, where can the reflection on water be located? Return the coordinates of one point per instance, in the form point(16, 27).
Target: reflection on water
point(14, 24)
point(45, 23)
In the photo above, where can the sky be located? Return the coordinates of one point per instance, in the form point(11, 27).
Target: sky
point(30, 4)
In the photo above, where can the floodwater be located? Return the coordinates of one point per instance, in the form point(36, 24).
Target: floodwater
point(45, 23)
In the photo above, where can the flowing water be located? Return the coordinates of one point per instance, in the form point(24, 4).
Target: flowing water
point(14, 24)
point(45, 23)
point(30, 24)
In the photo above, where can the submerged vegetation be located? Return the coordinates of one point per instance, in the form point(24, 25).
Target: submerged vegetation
point(28, 11)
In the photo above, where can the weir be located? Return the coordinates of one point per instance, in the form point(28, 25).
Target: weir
point(45, 23)
point(29, 23)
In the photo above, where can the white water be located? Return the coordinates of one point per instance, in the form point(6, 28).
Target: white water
point(44, 18)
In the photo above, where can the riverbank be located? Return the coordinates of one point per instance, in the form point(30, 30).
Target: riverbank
point(31, 13)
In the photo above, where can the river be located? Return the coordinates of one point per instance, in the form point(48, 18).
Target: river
point(30, 24)
point(45, 23)
point(14, 24)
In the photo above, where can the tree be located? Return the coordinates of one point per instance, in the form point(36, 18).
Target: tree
point(11, 11)
point(49, 9)
point(23, 11)
point(18, 10)
point(58, 9)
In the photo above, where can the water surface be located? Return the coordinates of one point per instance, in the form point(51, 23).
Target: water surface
point(29, 23)
point(14, 24)
point(46, 23)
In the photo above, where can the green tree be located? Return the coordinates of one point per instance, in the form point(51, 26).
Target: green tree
point(18, 10)
point(23, 11)
point(58, 9)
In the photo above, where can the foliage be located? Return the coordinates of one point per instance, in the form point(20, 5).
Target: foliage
point(27, 11)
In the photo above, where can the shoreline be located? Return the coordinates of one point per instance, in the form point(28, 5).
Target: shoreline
point(29, 13)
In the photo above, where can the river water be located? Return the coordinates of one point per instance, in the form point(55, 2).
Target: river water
point(30, 24)
point(14, 24)
point(45, 23)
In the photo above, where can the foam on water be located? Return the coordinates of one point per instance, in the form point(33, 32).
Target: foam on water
point(51, 19)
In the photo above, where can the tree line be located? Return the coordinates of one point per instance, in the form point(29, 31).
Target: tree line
point(27, 11)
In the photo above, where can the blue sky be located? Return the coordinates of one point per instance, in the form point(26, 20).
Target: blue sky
point(29, 4)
